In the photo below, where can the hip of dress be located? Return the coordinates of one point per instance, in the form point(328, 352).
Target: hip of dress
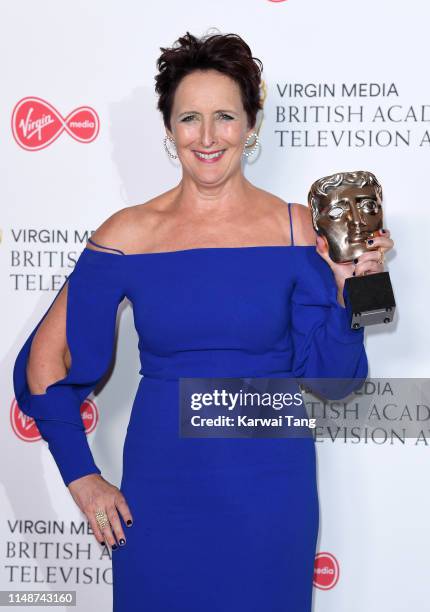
point(155, 453)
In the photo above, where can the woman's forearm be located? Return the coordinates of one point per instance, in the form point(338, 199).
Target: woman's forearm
point(44, 368)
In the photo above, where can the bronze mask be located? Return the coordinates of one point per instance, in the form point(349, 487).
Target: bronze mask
point(346, 210)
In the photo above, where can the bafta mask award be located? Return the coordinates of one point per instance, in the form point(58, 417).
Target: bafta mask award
point(346, 210)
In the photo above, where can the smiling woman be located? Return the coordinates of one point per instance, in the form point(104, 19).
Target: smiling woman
point(226, 281)
point(209, 135)
point(210, 106)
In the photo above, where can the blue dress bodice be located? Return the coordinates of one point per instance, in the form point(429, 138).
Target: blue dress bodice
point(207, 312)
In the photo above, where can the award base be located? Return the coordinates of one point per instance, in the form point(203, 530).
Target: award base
point(369, 299)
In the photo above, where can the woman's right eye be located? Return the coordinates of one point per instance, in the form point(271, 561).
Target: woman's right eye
point(188, 117)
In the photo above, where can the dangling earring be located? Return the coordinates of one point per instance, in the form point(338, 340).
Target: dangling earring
point(254, 147)
point(169, 153)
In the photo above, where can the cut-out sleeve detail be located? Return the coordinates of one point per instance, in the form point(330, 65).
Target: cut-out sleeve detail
point(94, 292)
point(325, 346)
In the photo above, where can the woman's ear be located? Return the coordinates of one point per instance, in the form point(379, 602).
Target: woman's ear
point(168, 131)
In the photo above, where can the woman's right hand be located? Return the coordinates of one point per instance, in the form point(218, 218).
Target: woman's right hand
point(91, 493)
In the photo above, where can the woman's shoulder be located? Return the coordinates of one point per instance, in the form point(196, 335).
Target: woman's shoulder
point(126, 228)
point(304, 233)
point(301, 218)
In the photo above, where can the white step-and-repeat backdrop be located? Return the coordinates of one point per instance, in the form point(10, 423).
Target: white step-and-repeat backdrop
point(345, 88)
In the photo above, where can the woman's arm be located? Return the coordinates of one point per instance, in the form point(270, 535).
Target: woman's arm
point(49, 359)
point(67, 354)
point(62, 361)
point(325, 347)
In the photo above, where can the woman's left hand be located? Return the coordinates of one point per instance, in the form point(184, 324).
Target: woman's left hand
point(367, 263)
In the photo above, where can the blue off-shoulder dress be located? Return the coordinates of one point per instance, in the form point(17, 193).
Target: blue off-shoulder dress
point(220, 524)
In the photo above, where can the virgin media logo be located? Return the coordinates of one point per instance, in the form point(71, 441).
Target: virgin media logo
point(326, 571)
point(26, 429)
point(36, 124)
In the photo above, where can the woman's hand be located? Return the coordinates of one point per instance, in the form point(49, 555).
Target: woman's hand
point(92, 493)
point(366, 263)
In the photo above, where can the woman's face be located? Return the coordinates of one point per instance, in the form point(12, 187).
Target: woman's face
point(208, 117)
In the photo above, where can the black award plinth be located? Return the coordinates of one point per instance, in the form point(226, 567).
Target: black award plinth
point(369, 299)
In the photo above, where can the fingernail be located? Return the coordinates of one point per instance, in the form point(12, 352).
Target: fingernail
point(129, 523)
point(114, 546)
point(383, 231)
point(353, 274)
point(356, 260)
point(370, 241)
point(122, 542)
point(103, 543)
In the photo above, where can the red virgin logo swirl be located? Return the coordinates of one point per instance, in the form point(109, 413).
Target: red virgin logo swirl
point(25, 426)
point(36, 124)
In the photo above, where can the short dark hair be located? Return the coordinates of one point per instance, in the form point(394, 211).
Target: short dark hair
point(227, 53)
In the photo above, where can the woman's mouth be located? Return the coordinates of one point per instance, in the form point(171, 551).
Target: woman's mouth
point(209, 158)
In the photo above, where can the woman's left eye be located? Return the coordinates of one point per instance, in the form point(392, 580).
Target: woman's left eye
point(225, 116)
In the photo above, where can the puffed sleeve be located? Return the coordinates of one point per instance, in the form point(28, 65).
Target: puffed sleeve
point(325, 346)
point(94, 291)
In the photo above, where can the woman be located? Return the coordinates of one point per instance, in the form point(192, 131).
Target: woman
point(226, 280)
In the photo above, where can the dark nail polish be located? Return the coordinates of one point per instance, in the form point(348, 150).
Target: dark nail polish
point(103, 543)
point(114, 546)
point(356, 260)
point(370, 241)
point(129, 523)
point(122, 542)
point(383, 231)
point(353, 274)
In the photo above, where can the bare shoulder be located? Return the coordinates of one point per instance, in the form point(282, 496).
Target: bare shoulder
point(125, 229)
point(304, 233)
point(116, 231)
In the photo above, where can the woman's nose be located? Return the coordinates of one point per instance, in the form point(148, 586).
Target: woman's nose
point(208, 135)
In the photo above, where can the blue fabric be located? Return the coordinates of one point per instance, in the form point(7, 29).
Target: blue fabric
point(219, 524)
